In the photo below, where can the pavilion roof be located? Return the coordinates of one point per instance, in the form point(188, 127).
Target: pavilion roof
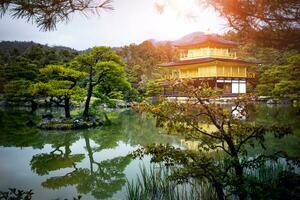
point(203, 60)
point(201, 38)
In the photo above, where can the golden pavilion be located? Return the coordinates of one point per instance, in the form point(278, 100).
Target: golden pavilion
point(210, 58)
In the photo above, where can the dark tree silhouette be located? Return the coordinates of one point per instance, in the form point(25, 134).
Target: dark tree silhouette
point(47, 13)
point(271, 22)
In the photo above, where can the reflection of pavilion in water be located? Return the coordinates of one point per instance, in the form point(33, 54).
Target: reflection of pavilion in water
point(238, 112)
point(190, 145)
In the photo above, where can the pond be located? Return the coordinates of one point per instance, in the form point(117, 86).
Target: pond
point(94, 163)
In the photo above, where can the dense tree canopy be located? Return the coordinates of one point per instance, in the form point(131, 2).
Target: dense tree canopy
point(271, 23)
point(17, 76)
point(282, 81)
point(103, 67)
point(19, 68)
point(142, 61)
point(61, 86)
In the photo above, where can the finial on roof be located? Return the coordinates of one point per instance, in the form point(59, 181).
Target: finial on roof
point(208, 32)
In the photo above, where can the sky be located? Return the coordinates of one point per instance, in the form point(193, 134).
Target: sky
point(131, 21)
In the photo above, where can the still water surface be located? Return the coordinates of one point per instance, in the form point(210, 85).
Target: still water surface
point(94, 163)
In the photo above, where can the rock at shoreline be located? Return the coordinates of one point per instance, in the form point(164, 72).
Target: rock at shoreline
point(271, 101)
point(69, 124)
point(47, 116)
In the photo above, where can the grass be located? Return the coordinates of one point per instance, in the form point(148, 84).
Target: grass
point(156, 184)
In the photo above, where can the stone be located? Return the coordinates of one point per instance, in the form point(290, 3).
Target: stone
point(271, 101)
point(67, 124)
point(47, 116)
point(285, 101)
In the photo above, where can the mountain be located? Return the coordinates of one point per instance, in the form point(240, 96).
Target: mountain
point(194, 38)
point(8, 47)
point(186, 38)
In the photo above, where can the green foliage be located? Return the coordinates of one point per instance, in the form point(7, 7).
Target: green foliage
point(46, 14)
point(13, 194)
point(281, 81)
point(62, 72)
point(15, 131)
point(115, 84)
point(101, 56)
point(155, 184)
point(42, 164)
point(18, 90)
point(58, 88)
point(227, 136)
point(101, 178)
point(61, 84)
point(16, 77)
point(105, 71)
point(142, 61)
point(154, 88)
point(267, 23)
point(19, 69)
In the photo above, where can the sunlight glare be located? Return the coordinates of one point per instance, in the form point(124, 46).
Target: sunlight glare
point(183, 14)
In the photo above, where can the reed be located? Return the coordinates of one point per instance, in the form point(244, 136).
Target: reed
point(155, 183)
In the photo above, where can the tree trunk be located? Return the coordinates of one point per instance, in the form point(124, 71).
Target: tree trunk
point(89, 94)
point(67, 107)
point(219, 190)
point(90, 152)
point(240, 177)
point(33, 106)
point(107, 120)
point(87, 101)
point(238, 170)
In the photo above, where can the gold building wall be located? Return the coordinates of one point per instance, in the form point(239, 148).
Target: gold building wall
point(195, 53)
point(230, 71)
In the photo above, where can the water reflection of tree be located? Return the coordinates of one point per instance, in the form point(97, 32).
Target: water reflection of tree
point(60, 157)
point(17, 129)
point(106, 177)
point(102, 178)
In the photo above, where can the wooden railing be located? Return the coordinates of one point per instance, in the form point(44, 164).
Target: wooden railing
point(251, 75)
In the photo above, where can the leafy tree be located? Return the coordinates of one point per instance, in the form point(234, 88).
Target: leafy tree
point(113, 88)
point(17, 77)
point(61, 86)
point(46, 14)
point(36, 53)
point(43, 55)
point(142, 60)
point(154, 88)
point(271, 23)
point(281, 81)
point(103, 67)
point(18, 91)
point(20, 68)
point(223, 135)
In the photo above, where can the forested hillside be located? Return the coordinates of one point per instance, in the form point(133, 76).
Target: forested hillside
point(22, 60)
